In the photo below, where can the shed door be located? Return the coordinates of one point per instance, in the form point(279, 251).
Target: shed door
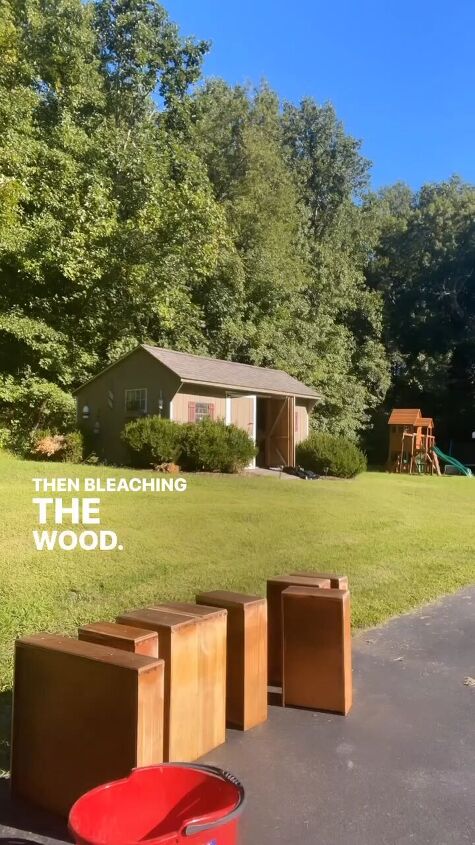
point(280, 437)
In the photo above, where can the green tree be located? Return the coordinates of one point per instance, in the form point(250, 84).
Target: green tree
point(424, 265)
point(238, 135)
point(345, 314)
point(108, 224)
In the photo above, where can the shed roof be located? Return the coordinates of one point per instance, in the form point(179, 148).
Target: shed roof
point(214, 372)
point(428, 422)
point(405, 416)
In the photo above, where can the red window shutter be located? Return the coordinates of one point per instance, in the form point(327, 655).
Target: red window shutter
point(191, 411)
point(211, 412)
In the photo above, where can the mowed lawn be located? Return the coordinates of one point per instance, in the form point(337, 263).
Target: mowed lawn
point(402, 541)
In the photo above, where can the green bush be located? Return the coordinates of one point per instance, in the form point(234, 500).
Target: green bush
point(47, 445)
point(152, 440)
point(73, 447)
point(30, 404)
point(213, 446)
point(323, 453)
point(209, 445)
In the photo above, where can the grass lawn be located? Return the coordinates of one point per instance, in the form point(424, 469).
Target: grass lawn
point(402, 541)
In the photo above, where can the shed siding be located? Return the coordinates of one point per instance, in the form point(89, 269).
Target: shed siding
point(183, 399)
point(300, 421)
point(138, 370)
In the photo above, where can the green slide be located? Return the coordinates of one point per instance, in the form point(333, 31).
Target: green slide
point(455, 463)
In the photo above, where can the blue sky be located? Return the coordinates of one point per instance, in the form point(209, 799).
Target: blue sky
point(401, 73)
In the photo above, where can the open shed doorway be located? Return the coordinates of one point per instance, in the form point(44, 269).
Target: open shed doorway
point(275, 431)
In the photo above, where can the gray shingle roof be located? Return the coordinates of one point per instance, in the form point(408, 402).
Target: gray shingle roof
point(197, 369)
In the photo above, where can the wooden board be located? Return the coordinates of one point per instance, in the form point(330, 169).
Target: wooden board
point(212, 670)
point(317, 649)
point(275, 588)
point(83, 714)
point(124, 637)
point(337, 582)
point(178, 646)
point(246, 662)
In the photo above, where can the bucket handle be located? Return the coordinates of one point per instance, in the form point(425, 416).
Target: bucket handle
point(199, 825)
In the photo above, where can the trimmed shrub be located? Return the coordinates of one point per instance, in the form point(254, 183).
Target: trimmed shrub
point(213, 446)
point(50, 446)
point(152, 440)
point(323, 453)
point(208, 445)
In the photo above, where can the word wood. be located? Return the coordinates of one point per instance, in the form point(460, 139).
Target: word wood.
point(317, 649)
point(124, 637)
point(83, 714)
point(178, 647)
point(212, 670)
point(275, 588)
point(246, 660)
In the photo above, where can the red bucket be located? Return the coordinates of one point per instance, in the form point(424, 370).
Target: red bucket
point(161, 805)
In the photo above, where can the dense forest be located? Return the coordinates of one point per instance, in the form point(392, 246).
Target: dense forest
point(140, 201)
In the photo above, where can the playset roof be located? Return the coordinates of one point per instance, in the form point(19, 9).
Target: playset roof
point(405, 416)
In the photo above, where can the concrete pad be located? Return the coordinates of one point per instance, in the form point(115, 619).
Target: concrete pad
point(399, 770)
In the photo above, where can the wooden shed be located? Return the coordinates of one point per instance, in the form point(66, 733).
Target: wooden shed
point(270, 405)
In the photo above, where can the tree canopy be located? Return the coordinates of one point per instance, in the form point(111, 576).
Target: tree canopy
point(141, 202)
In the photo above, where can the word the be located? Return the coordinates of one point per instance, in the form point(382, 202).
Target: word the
point(81, 511)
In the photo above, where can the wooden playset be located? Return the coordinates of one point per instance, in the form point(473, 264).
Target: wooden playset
point(162, 683)
point(411, 443)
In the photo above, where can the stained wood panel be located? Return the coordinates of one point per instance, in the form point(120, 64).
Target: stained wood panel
point(246, 664)
point(124, 637)
point(338, 582)
point(279, 431)
point(317, 649)
point(212, 670)
point(178, 647)
point(242, 413)
point(275, 588)
point(83, 714)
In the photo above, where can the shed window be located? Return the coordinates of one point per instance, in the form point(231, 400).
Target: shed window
point(200, 411)
point(136, 399)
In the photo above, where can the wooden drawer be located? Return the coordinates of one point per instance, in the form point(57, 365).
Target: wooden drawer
point(211, 670)
point(337, 582)
point(317, 649)
point(83, 714)
point(246, 663)
point(275, 588)
point(178, 647)
point(124, 637)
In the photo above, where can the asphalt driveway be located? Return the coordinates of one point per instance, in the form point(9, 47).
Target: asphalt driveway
point(399, 770)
